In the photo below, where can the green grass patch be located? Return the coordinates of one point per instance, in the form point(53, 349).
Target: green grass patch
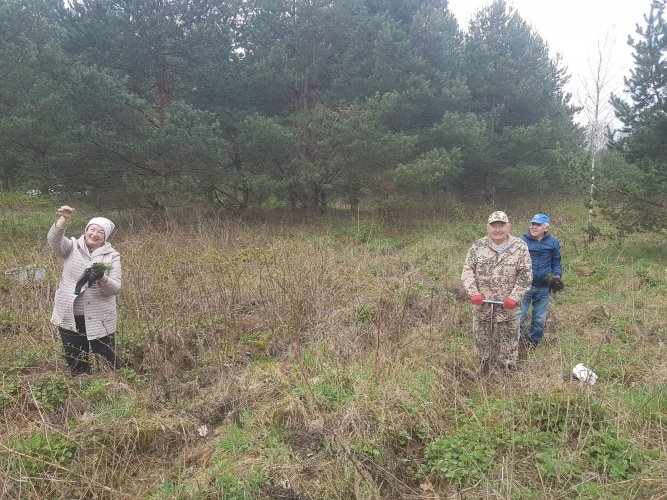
point(39, 453)
point(9, 388)
point(618, 459)
point(50, 391)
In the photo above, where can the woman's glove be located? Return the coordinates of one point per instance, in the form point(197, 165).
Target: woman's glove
point(95, 275)
point(90, 276)
point(85, 278)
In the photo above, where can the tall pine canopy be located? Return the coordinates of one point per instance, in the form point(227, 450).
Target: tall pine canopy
point(639, 192)
point(301, 103)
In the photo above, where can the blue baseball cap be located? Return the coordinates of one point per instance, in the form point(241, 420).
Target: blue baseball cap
point(540, 219)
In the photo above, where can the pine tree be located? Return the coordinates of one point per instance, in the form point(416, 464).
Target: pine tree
point(640, 191)
point(518, 90)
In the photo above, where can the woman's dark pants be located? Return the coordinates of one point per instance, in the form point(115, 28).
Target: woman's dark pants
point(77, 346)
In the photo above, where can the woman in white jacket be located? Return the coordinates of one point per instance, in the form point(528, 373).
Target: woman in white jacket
point(86, 313)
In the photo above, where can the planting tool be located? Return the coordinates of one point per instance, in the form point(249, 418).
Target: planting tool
point(492, 303)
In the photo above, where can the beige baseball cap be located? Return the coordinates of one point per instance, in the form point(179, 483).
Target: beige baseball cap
point(498, 217)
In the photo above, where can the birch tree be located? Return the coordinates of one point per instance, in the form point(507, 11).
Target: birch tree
point(599, 116)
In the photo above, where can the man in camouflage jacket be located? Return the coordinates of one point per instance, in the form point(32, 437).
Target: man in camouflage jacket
point(497, 267)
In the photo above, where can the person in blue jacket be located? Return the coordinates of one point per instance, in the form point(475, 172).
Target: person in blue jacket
point(547, 271)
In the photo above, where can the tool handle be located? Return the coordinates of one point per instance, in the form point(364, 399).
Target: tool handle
point(493, 302)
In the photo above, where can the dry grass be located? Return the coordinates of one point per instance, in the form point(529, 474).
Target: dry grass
point(321, 359)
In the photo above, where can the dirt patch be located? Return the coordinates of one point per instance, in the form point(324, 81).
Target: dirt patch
point(305, 442)
point(280, 492)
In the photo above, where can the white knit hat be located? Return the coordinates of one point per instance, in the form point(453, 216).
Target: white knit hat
point(104, 223)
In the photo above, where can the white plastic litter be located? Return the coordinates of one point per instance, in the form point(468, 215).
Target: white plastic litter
point(584, 374)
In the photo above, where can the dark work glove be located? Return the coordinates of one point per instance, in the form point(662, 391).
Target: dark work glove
point(556, 285)
point(95, 275)
point(85, 278)
point(90, 276)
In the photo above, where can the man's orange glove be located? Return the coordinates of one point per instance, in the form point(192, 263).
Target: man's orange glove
point(478, 300)
point(509, 303)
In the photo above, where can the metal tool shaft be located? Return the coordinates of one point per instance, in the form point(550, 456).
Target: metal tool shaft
point(493, 302)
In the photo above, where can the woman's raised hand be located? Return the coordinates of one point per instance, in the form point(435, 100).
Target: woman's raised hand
point(65, 211)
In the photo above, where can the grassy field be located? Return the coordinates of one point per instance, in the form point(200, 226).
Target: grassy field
point(291, 357)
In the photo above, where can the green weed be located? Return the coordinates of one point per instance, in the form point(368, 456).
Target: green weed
point(40, 453)
point(171, 490)
point(23, 360)
point(258, 336)
point(234, 443)
point(462, 456)
point(334, 396)
point(232, 487)
point(24, 216)
point(97, 390)
point(646, 252)
point(384, 244)
point(132, 376)
point(618, 459)
point(365, 449)
point(365, 314)
point(420, 385)
point(119, 408)
point(362, 231)
point(650, 277)
point(310, 359)
point(623, 327)
point(614, 364)
point(571, 416)
point(648, 401)
point(8, 320)
point(555, 467)
point(50, 392)
point(9, 387)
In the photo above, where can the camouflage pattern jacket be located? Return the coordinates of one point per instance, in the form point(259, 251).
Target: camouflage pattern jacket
point(497, 276)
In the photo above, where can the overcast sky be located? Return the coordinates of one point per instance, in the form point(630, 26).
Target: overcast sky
point(575, 29)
